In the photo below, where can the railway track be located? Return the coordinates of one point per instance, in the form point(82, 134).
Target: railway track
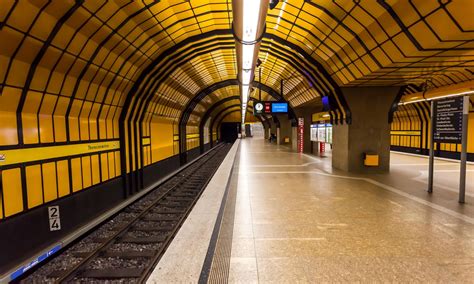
point(126, 248)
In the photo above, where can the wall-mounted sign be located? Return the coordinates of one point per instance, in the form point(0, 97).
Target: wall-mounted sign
point(448, 120)
point(54, 218)
point(321, 133)
point(24, 155)
point(321, 117)
point(270, 108)
point(279, 107)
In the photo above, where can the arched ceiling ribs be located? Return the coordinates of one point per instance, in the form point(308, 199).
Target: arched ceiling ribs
point(149, 82)
point(209, 90)
point(222, 46)
point(34, 65)
point(210, 111)
point(404, 90)
point(215, 122)
point(340, 106)
point(224, 116)
point(201, 95)
point(226, 111)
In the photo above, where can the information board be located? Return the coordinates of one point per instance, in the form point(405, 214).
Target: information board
point(314, 133)
point(321, 133)
point(279, 107)
point(270, 108)
point(329, 134)
point(448, 120)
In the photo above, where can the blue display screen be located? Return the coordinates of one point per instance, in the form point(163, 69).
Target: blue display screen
point(280, 107)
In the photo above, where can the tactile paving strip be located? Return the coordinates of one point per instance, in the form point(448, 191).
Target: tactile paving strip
point(217, 264)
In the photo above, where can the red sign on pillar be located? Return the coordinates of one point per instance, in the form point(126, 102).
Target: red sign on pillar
point(300, 134)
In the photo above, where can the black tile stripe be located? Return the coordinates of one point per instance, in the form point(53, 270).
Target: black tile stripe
point(2, 203)
point(36, 61)
point(56, 179)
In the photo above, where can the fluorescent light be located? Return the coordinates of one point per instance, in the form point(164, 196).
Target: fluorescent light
point(250, 23)
point(251, 15)
point(439, 97)
point(246, 77)
point(247, 56)
point(245, 94)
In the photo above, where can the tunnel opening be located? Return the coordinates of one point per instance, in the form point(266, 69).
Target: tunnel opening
point(230, 131)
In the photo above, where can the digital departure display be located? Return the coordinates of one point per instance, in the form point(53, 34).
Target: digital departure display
point(279, 107)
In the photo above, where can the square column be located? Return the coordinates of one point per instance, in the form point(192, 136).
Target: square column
point(284, 129)
point(369, 131)
point(266, 132)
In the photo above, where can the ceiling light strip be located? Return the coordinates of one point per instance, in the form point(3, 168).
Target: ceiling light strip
point(248, 29)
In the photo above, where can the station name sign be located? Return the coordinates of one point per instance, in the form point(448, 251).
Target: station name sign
point(270, 108)
point(448, 120)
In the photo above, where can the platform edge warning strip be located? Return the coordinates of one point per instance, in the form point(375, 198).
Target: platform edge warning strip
point(213, 243)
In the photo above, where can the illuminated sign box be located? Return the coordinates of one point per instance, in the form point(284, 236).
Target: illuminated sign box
point(279, 107)
point(321, 133)
point(270, 108)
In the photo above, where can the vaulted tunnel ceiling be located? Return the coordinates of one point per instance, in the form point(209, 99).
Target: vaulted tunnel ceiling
point(155, 56)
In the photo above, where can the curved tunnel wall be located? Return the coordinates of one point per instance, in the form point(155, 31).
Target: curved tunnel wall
point(91, 91)
point(72, 66)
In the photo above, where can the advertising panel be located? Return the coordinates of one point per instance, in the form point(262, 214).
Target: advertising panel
point(300, 134)
point(321, 133)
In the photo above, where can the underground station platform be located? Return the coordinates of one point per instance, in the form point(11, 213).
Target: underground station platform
point(236, 141)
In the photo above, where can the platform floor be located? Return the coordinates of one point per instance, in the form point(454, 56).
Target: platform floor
point(290, 217)
point(297, 220)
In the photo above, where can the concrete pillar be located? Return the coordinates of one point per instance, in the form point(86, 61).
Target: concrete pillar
point(273, 128)
point(266, 132)
point(278, 134)
point(368, 132)
point(294, 139)
point(285, 129)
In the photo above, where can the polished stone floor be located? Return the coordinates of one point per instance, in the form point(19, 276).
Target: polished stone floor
point(298, 220)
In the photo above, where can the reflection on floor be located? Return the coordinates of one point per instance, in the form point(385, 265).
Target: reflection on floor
point(296, 219)
point(446, 176)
